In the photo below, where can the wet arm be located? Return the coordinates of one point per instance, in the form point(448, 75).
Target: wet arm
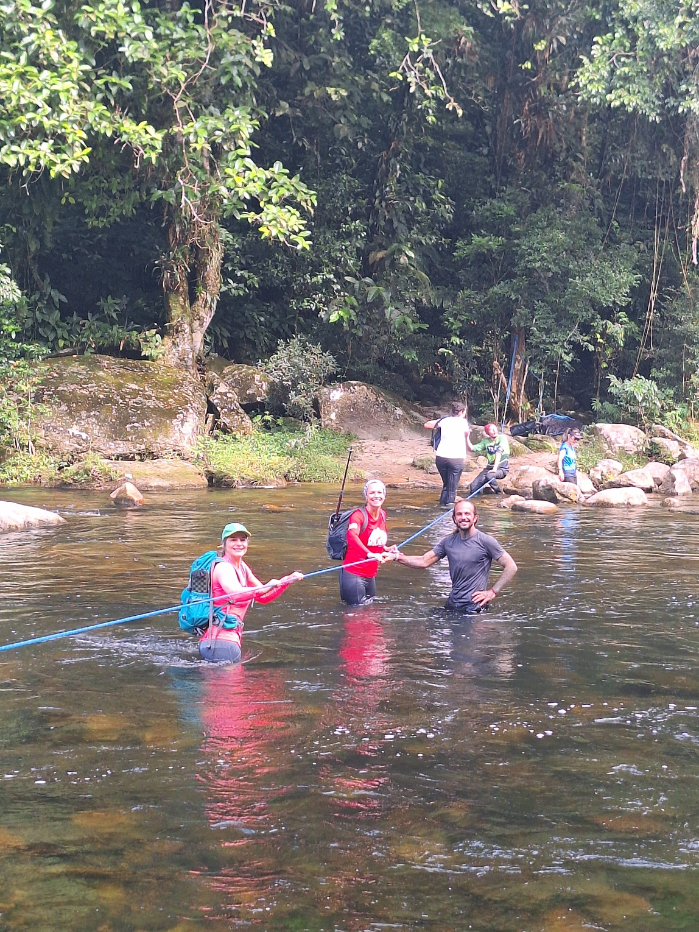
point(509, 568)
point(427, 559)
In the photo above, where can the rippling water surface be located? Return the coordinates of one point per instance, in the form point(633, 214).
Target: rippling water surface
point(379, 768)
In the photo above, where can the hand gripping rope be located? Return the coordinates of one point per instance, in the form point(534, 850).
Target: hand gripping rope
point(175, 608)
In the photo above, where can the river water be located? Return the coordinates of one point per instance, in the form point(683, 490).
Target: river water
point(367, 769)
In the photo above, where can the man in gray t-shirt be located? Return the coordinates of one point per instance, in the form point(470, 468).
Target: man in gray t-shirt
point(470, 554)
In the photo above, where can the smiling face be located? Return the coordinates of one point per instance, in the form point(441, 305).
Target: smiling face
point(235, 546)
point(465, 516)
point(375, 494)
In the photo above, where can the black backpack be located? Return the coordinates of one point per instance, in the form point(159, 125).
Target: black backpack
point(336, 544)
point(436, 438)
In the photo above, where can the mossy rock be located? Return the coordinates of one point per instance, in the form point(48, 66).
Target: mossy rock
point(119, 408)
point(425, 462)
point(517, 448)
point(537, 443)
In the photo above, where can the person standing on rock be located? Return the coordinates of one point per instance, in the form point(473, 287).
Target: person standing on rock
point(366, 541)
point(568, 458)
point(451, 450)
point(470, 554)
point(496, 449)
point(234, 587)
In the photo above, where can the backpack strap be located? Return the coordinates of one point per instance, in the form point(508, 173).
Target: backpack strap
point(365, 519)
point(212, 612)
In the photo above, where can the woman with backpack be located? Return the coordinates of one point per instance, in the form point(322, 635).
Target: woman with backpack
point(366, 545)
point(234, 587)
point(450, 447)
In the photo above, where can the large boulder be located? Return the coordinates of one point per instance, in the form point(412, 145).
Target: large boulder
point(553, 490)
point(368, 412)
point(668, 449)
point(675, 483)
point(537, 508)
point(618, 498)
point(520, 479)
point(605, 470)
point(14, 517)
point(250, 385)
point(228, 414)
point(620, 437)
point(658, 471)
point(120, 408)
point(634, 478)
point(690, 467)
point(585, 484)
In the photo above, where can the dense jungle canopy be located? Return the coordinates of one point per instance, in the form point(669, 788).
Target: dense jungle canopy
point(408, 184)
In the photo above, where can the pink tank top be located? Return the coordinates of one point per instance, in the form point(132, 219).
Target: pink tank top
point(220, 595)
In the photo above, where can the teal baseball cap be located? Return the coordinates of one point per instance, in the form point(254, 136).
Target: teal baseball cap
point(234, 528)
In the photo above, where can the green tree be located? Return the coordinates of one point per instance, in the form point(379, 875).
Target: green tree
point(158, 104)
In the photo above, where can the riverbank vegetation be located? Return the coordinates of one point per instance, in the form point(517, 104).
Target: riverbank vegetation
point(418, 188)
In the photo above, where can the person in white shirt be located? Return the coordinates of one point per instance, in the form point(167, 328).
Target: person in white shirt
point(451, 450)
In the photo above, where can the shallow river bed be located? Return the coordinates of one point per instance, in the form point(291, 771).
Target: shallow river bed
point(378, 768)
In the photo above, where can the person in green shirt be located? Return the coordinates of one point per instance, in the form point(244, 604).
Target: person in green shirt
point(496, 449)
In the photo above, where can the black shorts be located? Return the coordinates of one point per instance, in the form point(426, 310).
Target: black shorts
point(468, 609)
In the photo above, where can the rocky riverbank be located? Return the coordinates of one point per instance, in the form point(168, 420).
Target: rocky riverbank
point(100, 418)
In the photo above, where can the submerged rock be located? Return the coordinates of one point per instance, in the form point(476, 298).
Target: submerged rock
point(119, 407)
point(537, 508)
point(127, 496)
point(509, 500)
point(14, 517)
point(620, 437)
point(618, 498)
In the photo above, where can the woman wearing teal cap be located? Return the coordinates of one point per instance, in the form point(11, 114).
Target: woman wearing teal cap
point(234, 588)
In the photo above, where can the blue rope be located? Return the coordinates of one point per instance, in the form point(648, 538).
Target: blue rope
point(175, 608)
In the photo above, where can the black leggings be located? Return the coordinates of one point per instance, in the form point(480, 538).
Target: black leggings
point(488, 477)
point(450, 470)
point(356, 590)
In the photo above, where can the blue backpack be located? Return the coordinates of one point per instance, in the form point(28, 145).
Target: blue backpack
point(197, 611)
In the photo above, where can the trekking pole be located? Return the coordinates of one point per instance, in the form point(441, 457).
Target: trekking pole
point(342, 487)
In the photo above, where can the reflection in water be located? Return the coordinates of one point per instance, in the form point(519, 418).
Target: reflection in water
point(386, 767)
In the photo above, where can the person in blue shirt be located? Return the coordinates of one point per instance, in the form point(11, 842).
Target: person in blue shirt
point(568, 458)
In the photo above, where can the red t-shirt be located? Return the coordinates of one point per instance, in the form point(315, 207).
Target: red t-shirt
point(373, 536)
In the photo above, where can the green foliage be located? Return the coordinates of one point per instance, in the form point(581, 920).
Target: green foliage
point(22, 468)
point(297, 370)
point(90, 468)
point(311, 455)
point(639, 399)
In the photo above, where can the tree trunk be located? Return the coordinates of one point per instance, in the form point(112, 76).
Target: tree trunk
point(518, 398)
point(192, 284)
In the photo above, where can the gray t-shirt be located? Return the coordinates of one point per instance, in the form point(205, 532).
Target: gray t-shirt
point(469, 559)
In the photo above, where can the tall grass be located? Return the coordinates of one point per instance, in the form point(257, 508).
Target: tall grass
point(312, 454)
